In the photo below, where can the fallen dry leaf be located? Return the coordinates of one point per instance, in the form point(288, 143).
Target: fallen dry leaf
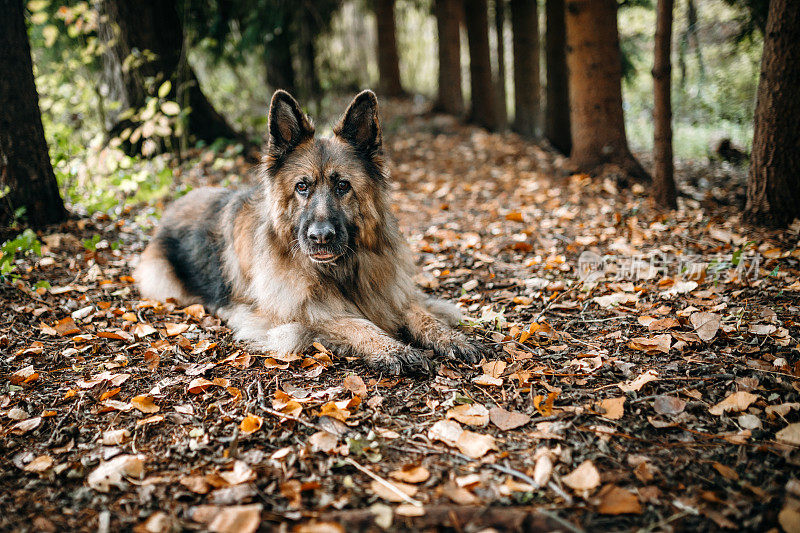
point(390, 495)
point(668, 405)
point(112, 473)
point(494, 368)
point(145, 404)
point(23, 426)
point(611, 408)
point(659, 343)
point(241, 473)
point(738, 401)
point(250, 424)
point(584, 478)
point(323, 441)
point(175, 329)
point(616, 500)
point(66, 326)
point(475, 445)
point(705, 324)
point(237, 519)
point(114, 437)
point(39, 464)
point(507, 420)
point(446, 431)
point(663, 324)
point(789, 435)
point(355, 384)
point(411, 474)
point(640, 381)
point(473, 414)
point(487, 380)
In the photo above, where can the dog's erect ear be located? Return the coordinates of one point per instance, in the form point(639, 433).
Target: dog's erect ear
point(288, 126)
point(359, 125)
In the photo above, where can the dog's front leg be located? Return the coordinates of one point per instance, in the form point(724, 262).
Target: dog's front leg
point(376, 347)
point(429, 332)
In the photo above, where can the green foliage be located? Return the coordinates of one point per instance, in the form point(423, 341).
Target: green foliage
point(710, 102)
point(26, 243)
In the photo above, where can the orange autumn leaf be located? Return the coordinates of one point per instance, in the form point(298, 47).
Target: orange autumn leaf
point(250, 424)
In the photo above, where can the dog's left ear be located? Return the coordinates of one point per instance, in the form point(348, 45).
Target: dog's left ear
point(360, 126)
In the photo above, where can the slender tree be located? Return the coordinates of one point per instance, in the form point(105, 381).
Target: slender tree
point(556, 116)
point(595, 86)
point(25, 168)
point(278, 58)
point(483, 111)
point(525, 28)
point(448, 23)
point(663, 179)
point(145, 47)
point(773, 185)
point(500, 79)
point(388, 59)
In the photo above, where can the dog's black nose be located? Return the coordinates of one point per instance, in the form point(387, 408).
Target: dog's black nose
point(321, 232)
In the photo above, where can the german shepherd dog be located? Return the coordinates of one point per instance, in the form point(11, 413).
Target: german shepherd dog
point(310, 253)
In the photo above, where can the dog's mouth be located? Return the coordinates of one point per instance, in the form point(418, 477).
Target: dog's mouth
point(324, 256)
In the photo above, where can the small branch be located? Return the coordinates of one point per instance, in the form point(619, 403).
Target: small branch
point(383, 482)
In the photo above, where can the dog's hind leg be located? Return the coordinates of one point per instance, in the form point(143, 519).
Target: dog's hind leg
point(157, 279)
point(445, 311)
point(252, 329)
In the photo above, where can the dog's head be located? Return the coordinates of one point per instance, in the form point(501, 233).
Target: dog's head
point(327, 193)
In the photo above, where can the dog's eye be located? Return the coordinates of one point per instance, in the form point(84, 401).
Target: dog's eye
point(301, 187)
point(342, 186)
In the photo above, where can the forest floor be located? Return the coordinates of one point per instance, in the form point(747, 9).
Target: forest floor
point(641, 372)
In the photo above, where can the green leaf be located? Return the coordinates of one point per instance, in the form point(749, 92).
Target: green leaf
point(170, 108)
point(37, 5)
point(164, 90)
point(50, 33)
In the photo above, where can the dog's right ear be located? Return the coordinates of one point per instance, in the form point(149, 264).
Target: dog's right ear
point(288, 126)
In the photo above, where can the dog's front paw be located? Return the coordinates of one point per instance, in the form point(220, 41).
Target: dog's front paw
point(460, 349)
point(403, 359)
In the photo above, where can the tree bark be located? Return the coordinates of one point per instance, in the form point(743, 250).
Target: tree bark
point(773, 185)
point(556, 120)
point(144, 41)
point(388, 59)
point(500, 81)
point(663, 179)
point(483, 111)
point(280, 68)
point(595, 86)
point(25, 166)
point(525, 27)
point(448, 24)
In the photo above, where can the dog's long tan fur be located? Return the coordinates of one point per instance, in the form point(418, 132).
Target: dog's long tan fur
point(251, 256)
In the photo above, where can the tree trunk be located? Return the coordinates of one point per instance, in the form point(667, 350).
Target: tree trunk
point(145, 47)
point(556, 120)
point(663, 179)
point(476, 19)
point(448, 24)
point(500, 81)
point(388, 59)
point(24, 161)
point(595, 86)
point(280, 68)
point(309, 28)
point(773, 185)
point(525, 28)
